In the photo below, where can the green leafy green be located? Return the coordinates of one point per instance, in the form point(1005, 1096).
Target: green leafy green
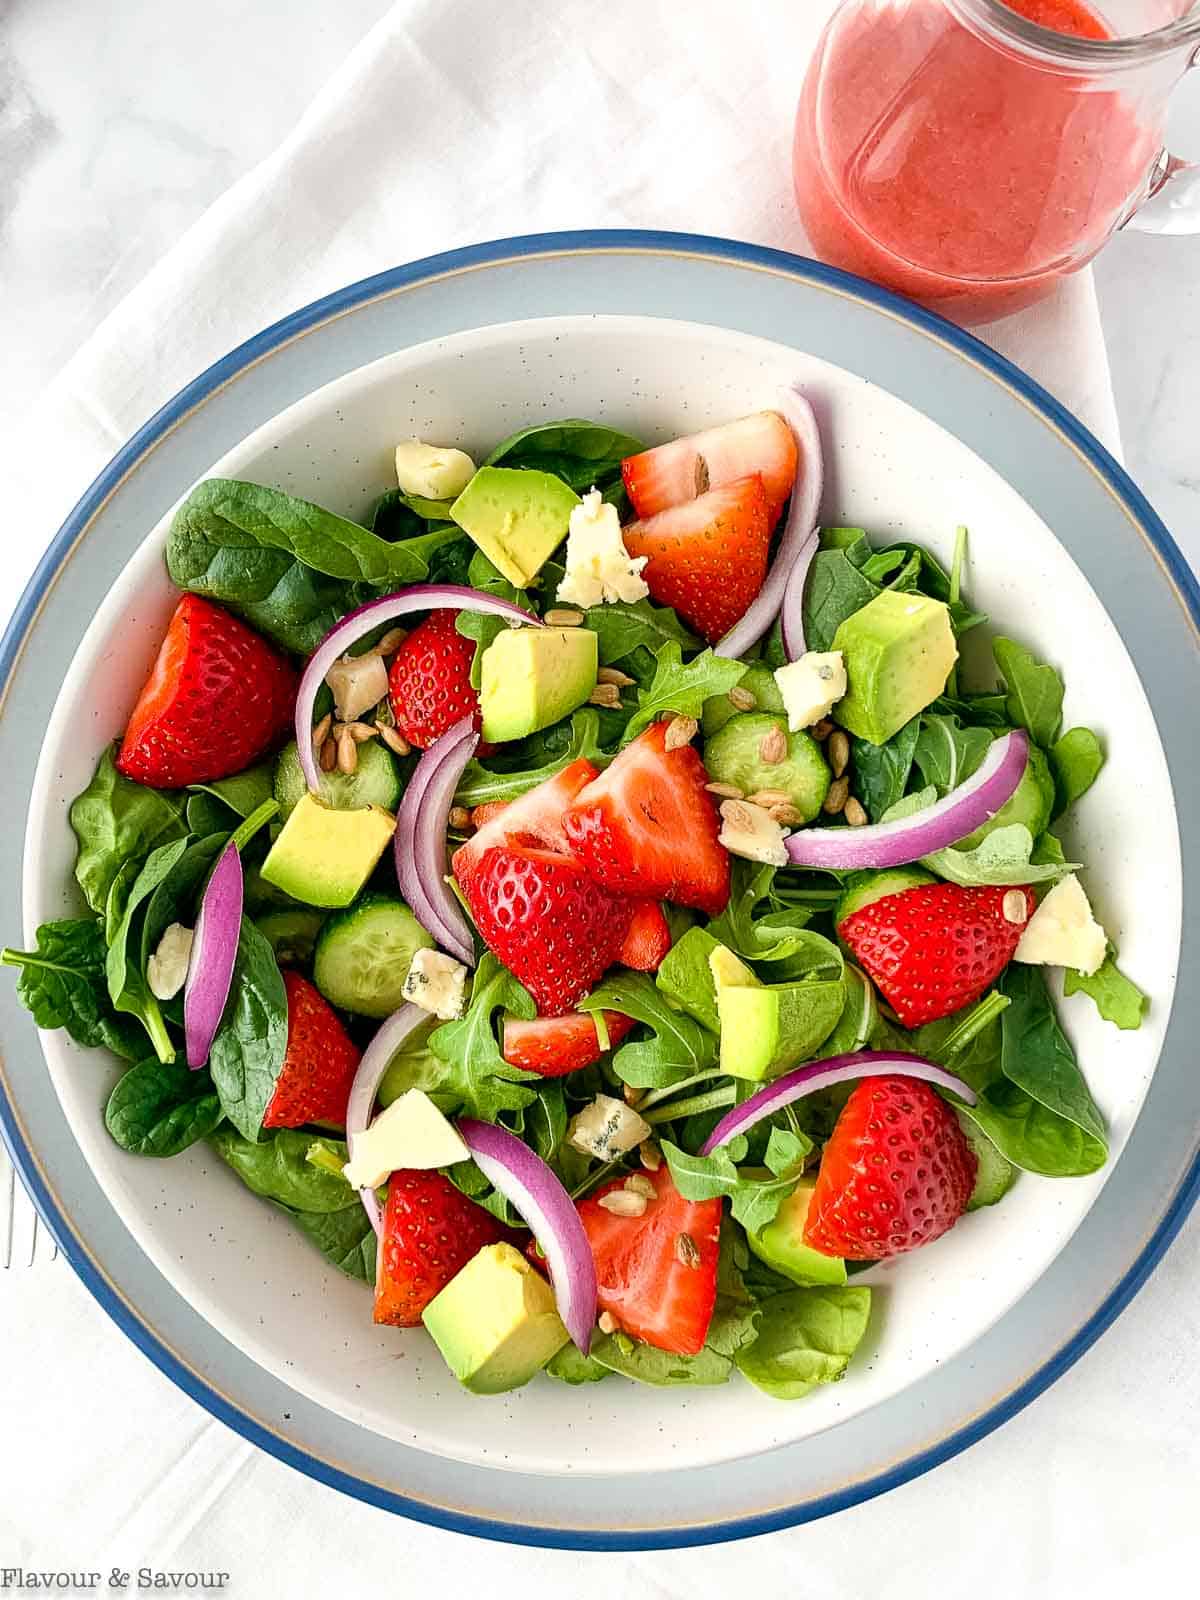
point(1002, 857)
point(806, 1337)
point(1034, 691)
point(278, 1168)
point(1036, 1055)
point(685, 977)
point(860, 1014)
point(477, 1075)
point(159, 1108)
point(62, 982)
point(880, 772)
point(988, 710)
point(836, 589)
point(174, 900)
point(345, 1238)
point(125, 971)
point(479, 784)
point(679, 1047)
point(570, 1365)
point(247, 1053)
point(244, 792)
point(483, 628)
point(1118, 999)
point(755, 1195)
point(778, 935)
point(935, 581)
point(947, 753)
point(1075, 761)
point(701, 1177)
point(621, 626)
point(116, 820)
point(676, 687)
point(584, 455)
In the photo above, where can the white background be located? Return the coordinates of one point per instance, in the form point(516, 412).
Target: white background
point(119, 124)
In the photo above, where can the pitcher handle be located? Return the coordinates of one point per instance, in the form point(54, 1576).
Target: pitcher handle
point(1173, 204)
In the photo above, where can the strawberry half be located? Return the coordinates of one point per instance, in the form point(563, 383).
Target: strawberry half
point(896, 1172)
point(657, 1273)
point(534, 818)
point(554, 1046)
point(552, 926)
point(430, 1231)
point(217, 699)
point(648, 939)
point(680, 471)
point(647, 826)
point(320, 1063)
point(707, 557)
point(429, 683)
point(934, 949)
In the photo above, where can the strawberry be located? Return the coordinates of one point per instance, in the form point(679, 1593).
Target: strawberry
point(217, 699)
point(934, 949)
point(534, 818)
point(707, 557)
point(896, 1172)
point(554, 1046)
point(657, 1273)
point(680, 471)
point(648, 939)
point(487, 812)
point(551, 925)
point(320, 1063)
point(648, 826)
point(430, 1231)
point(429, 682)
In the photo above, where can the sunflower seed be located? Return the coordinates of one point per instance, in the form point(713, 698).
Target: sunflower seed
point(835, 800)
point(821, 730)
point(773, 747)
point(321, 731)
point(607, 1322)
point(854, 813)
point(347, 752)
point(614, 675)
point(1015, 908)
point(786, 815)
point(726, 791)
point(839, 752)
point(686, 1251)
point(623, 1203)
point(741, 699)
point(681, 731)
point(631, 1095)
point(360, 732)
point(638, 1184)
point(650, 1155)
point(328, 756)
point(391, 642)
point(607, 695)
point(395, 742)
point(769, 797)
point(563, 619)
point(459, 818)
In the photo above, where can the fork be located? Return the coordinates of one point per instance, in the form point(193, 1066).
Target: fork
point(23, 1240)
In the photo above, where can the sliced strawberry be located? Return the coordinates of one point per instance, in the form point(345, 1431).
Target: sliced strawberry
point(320, 1063)
point(934, 949)
point(657, 1273)
point(555, 1046)
point(680, 471)
point(217, 699)
point(648, 939)
point(552, 926)
point(534, 818)
point(896, 1172)
point(429, 683)
point(430, 1231)
point(707, 557)
point(648, 827)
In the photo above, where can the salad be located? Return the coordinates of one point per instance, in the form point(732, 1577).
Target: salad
point(593, 901)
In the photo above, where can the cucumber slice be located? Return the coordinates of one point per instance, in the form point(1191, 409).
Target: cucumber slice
point(375, 781)
point(363, 955)
point(995, 1174)
point(864, 888)
point(291, 934)
point(734, 755)
point(759, 681)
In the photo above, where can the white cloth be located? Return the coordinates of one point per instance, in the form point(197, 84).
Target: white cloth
point(458, 120)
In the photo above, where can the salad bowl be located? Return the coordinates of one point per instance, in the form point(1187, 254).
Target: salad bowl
point(924, 431)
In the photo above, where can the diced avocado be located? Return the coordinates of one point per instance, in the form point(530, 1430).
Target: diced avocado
point(994, 1174)
point(375, 781)
point(1031, 802)
point(864, 888)
point(735, 755)
point(495, 1321)
point(685, 977)
point(533, 677)
point(323, 857)
point(767, 1027)
point(516, 516)
point(759, 681)
point(781, 1243)
point(898, 649)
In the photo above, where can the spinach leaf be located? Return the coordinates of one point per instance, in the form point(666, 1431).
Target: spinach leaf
point(919, 800)
point(542, 1124)
point(174, 900)
point(278, 1168)
point(1118, 999)
point(159, 1108)
point(1032, 1136)
point(62, 983)
point(345, 1238)
point(977, 710)
point(621, 626)
point(479, 784)
point(685, 977)
point(933, 579)
point(477, 1075)
point(424, 524)
point(570, 1365)
point(680, 688)
point(880, 771)
point(1075, 761)
point(1002, 857)
point(836, 589)
point(244, 792)
point(806, 1337)
point(1048, 851)
point(679, 1048)
point(1036, 1055)
point(1034, 691)
point(116, 820)
point(128, 988)
point(584, 455)
point(947, 753)
point(247, 1053)
point(484, 574)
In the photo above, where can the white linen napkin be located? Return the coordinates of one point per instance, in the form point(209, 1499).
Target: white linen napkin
point(454, 121)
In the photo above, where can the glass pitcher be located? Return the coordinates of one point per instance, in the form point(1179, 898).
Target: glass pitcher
point(969, 153)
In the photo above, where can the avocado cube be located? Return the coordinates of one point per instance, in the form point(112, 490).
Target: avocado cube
point(516, 516)
point(495, 1321)
point(781, 1243)
point(898, 652)
point(324, 857)
point(532, 677)
point(767, 1027)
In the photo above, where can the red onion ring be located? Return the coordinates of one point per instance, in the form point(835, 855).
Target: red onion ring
point(213, 954)
point(419, 843)
point(376, 1059)
point(791, 611)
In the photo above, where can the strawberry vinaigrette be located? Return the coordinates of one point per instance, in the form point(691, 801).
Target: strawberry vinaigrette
point(954, 169)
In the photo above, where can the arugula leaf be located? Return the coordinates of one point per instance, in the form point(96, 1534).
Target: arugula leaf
point(976, 710)
point(947, 753)
point(245, 792)
point(345, 1238)
point(1003, 857)
point(701, 1177)
point(779, 935)
point(116, 820)
point(935, 581)
point(128, 988)
point(835, 590)
point(483, 628)
point(1035, 691)
point(860, 1015)
point(278, 1168)
point(159, 1108)
point(479, 784)
point(583, 454)
point(1118, 999)
point(570, 1365)
point(247, 1053)
point(1049, 851)
point(755, 1196)
point(542, 1124)
point(1036, 1055)
point(680, 688)
point(685, 977)
point(62, 983)
point(919, 800)
point(680, 1047)
point(477, 1074)
point(1075, 761)
point(806, 1337)
point(880, 771)
point(622, 626)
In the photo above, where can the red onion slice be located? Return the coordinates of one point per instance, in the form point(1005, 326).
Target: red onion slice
point(419, 844)
point(895, 844)
point(529, 1185)
point(801, 519)
point(376, 1059)
point(421, 597)
point(791, 611)
point(213, 954)
point(823, 1075)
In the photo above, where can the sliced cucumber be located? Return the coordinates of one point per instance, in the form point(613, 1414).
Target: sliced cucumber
point(864, 888)
point(995, 1174)
point(374, 782)
point(291, 934)
point(759, 681)
point(734, 755)
point(363, 955)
